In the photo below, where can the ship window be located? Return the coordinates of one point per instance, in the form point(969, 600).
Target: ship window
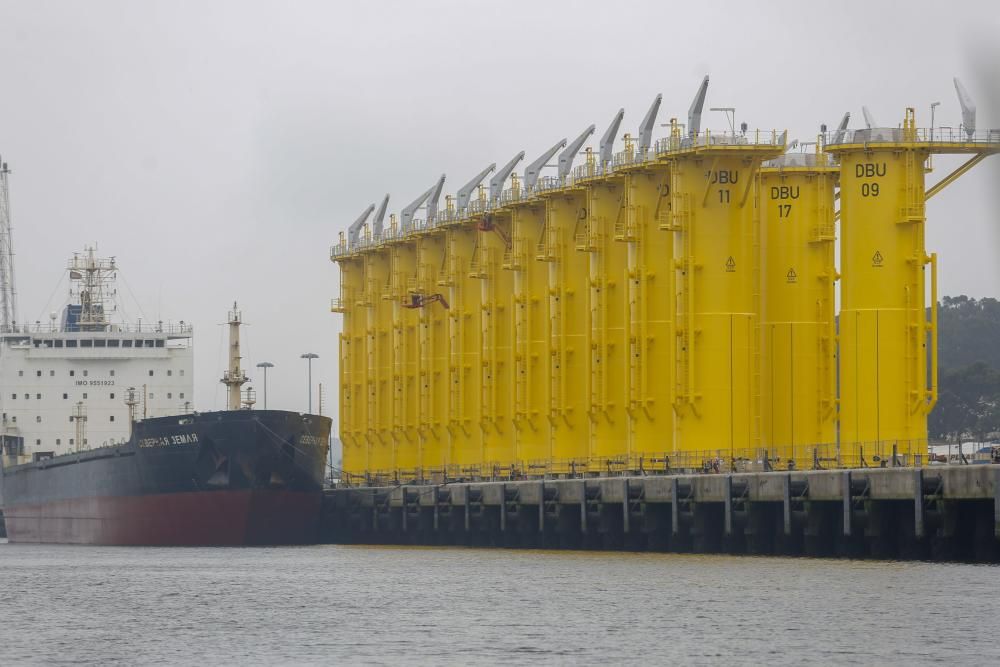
point(85, 373)
point(150, 396)
point(138, 343)
point(149, 343)
point(20, 374)
point(14, 396)
point(38, 343)
point(27, 396)
point(52, 374)
point(169, 395)
point(126, 343)
point(159, 342)
point(100, 343)
point(14, 419)
point(112, 373)
point(38, 419)
point(65, 396)
point(169, 373)
point(182, 372)
point(72, 373)
point(71, 441)
point(150, 373)
point(58, 441)
point(112, 397)
point(59, 343)
point(86, 343)
point(182, 394)
point(48, 343)
point(38, 373)
point(38, 396)
point(113, 343)
point(85, 394)
point(112, 418)
point(38, 441)
point(71, 343)
point(71, 417)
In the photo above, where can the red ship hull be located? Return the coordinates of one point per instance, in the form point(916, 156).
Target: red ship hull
point(202, 518)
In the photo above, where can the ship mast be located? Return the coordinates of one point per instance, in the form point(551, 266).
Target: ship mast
point(234, 378)
point(8, 293)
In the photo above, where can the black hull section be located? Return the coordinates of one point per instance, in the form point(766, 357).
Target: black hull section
point(238, 477)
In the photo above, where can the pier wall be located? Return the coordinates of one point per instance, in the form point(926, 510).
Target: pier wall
point(933, 513)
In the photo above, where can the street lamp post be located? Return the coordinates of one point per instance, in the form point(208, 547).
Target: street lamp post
point(933, 106)
point(265, 365)
point(310, 356)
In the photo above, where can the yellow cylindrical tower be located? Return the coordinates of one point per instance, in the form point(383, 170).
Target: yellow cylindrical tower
point(886, 387)
point(379, 364)
point(531, 360)
point(352, 367)
point(798, 355)
point(496, 323)
point(607, 296)
point(718, 301)
point(884, 392)
point(569, 328)
point(407, 364)
point(464, 350)
point(432, 309)
point(650, 317)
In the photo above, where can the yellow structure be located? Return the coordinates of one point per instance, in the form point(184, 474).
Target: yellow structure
point(717, 260)
point(886, 387)
point(798, 336)
point(670, 306)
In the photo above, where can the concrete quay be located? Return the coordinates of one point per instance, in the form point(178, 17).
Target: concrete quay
point(946, 512)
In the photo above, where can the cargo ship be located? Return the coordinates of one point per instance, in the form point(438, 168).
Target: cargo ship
point(227, 478)
point(99, 443)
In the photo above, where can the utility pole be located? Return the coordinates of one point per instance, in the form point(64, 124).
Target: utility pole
point(265, 365)
point(309, 356)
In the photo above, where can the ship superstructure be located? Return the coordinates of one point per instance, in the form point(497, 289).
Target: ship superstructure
point(65, 383)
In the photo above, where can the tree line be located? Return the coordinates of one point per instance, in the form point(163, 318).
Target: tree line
point(968, 404)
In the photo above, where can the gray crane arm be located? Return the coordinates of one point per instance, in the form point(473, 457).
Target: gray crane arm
point(496, 183)
point(567, 156)
point(534, 170)
point(466, 190)
point(432, 201)
point(838, 135)
point(608, 140)
point(355, 229)
point(697, 105)
point(968, 108)
point(379, 217)
point(406, 216)
point(646, 127)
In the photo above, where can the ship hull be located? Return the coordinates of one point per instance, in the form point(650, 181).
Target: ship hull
point(215, 479)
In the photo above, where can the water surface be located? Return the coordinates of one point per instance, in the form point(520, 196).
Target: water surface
point(388, 605)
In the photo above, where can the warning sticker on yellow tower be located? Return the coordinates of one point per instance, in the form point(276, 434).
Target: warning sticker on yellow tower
point(791, 276)
point(877, 260)
point(730, 265)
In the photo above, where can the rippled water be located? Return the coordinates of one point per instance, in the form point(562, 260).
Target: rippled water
point(386, 605)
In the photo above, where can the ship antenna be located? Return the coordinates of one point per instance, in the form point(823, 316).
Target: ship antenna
point(234, 378)
point(8, 293)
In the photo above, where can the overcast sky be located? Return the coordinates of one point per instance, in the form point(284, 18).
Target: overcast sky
point(217, 148)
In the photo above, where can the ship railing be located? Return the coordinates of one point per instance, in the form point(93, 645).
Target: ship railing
point(631, 158)
point(749, 139)
point(512, 196)
point(582, 172)
point(942, 134)
point(477, 206)
point(108, 329)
